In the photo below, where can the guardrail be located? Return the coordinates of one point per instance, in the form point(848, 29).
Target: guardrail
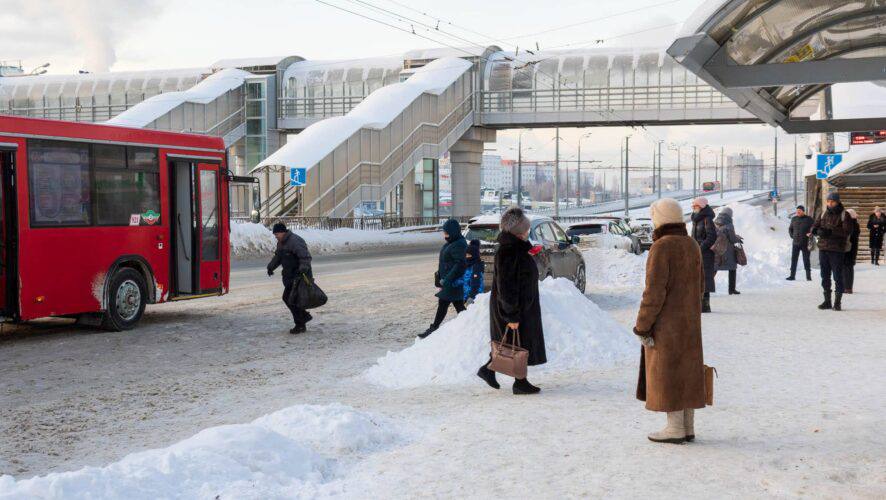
point(363, 223)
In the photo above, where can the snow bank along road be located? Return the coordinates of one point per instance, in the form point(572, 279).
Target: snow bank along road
point(799, 411)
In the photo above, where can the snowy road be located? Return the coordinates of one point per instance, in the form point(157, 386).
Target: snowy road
point(799, 409)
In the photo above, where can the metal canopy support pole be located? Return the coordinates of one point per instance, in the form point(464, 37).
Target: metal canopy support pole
point(627, 193)
point(520, 170)
point(557, 174)
point(775, 177)
point(722, 170)
point(795, 171)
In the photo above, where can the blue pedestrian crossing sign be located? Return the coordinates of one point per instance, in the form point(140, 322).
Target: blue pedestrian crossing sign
point(297, 176)
point(825, 164)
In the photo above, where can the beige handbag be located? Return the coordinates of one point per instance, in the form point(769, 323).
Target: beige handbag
point(509, 359)
point(709, 372)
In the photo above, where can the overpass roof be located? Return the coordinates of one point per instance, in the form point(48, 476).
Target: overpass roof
point(771, 56)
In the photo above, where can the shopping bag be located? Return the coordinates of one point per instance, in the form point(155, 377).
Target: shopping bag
point(306, 294)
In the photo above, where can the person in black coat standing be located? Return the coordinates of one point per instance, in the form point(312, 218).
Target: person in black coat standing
point(876, 229)
point(801, 225)
point(514, 303)
point(450, 274)
point(833, 230)
point(292, 253)
point(705, 234)
point(852, 255)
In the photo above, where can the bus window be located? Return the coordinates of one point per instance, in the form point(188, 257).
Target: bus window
point(127, 192)
point(58, 172)
point(209, 215)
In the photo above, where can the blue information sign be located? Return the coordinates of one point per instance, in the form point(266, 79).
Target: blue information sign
point(297, 176)
point(825, 164)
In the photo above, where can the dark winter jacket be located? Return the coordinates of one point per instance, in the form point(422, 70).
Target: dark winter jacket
point(799, 228)
point(876, 229)
point(292, 253)
point(833, 229)
point(672, 371)
point(723, 222)
point(473, 278)
point(705, 234)
point(515, 296)
point(451, 267)
point(852, 254)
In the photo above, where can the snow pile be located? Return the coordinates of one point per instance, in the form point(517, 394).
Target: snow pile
point(289, 453)
point(578, 336)
point(615, 268)
point(767, 245)
point(249, 239)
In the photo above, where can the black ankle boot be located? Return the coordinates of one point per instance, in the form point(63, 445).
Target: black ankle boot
point(522, 386)
point(488, 376)
point(808, 275)
point(706, 304)
point(791, 278)
point(431, 329)
point(838, 301)
point(827, 301)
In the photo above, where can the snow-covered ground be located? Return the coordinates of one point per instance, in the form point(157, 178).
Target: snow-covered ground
point(798, 406)
point(255, 240)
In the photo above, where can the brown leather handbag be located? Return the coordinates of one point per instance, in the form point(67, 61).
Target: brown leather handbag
point(709, 372)
point(509, 359)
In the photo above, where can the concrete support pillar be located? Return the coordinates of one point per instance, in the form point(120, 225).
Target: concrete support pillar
point(466, 155)
point(411, 202)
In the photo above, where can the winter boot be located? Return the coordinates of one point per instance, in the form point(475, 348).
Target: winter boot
point(827, 301)
point(522, 386)
point(298, 329)
point(689, 423)
point(488, 376)
point(791, 278)
point(838, 301)
point(808, 275)
point(706, 303)
point(674, 432)
point(431, 329)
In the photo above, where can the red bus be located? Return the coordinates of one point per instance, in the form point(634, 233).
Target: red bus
point(710, 186)
point(96, 221)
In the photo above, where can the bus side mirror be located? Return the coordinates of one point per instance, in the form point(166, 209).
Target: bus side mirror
point(575, 239)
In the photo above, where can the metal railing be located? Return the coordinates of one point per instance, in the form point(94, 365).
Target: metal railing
point(604, 99)
point(383, 223)
point(317, 107)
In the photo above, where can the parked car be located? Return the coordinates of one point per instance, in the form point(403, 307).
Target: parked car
point(642, 227)
point(559, 256)
point(606, 232)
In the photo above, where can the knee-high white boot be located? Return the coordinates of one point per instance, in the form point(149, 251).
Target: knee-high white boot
point(674, 432)
point(689, 423)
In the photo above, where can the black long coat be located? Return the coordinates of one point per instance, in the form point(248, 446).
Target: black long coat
point(875, 234)
point(451, 266)
point(515, 296)
point(705, 234)
point(850, 256)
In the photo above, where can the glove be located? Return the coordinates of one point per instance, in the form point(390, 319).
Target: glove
point(270, 272)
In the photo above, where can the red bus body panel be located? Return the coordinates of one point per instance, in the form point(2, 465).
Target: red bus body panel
point(63, 270)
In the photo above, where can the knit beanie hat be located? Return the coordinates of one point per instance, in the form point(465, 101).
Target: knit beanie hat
point(666, 211)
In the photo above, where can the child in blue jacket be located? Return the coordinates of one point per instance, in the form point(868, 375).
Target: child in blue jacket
point(473, 277)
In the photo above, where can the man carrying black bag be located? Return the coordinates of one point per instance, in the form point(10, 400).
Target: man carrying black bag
point(292, 253)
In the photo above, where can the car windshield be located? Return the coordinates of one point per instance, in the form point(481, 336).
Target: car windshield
point(487, 233)
point(583, 230)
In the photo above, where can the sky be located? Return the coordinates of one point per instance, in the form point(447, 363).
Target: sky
point(121, 35)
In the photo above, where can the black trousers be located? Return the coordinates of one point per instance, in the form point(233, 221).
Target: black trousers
point(831, 264)
point(795, 254)
point(443, 306)
point(733, 275)
point(299, 316)
point(848, 276)
point(875, 255)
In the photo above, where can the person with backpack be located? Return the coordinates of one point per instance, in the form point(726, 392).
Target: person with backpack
point(474, 270)
point(450, 275)
point(727, 261)
point(833, 229)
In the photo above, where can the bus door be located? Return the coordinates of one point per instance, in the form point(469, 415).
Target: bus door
point(8, 235)
point(195, 228)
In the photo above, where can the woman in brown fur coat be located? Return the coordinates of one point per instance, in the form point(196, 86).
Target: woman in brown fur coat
point(669, 325)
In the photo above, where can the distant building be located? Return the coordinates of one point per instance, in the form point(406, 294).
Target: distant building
point(495, 173)
point(744, 171)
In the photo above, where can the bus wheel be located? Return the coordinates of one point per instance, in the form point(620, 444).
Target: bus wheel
point(127, 296)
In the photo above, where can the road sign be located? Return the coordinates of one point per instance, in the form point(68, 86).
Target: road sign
point(825, 164)
point(297, 176)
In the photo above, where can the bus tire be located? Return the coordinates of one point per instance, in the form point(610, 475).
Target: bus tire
point(127, 296)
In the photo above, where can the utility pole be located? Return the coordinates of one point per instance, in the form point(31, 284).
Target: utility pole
point(557, 174)
point(627, 177)
point(578, 175)
point(722, 170)
point(694, 171)
point(660, 187)
point(775, 177)
point(520, 170)
point(795, 171)
point(654, 183)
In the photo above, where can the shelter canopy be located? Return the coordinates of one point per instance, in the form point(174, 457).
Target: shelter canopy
point(774, 57)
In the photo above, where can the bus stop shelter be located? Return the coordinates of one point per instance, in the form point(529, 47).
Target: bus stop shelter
point(775, 57)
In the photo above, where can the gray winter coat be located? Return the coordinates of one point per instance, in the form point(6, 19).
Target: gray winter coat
point(723, 222)
point(292, 253)
point(799, 228)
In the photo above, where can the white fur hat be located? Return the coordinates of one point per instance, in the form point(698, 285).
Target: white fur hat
point(666, 211)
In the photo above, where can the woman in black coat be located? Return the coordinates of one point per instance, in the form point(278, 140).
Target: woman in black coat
point(705, 234)
point(876, 228)
point(850, 257)
point(514, 304)
point(450, 275)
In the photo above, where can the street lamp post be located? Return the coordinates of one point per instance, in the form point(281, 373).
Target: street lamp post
point(694, 171)
point(579, 167)
point(627, 176)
